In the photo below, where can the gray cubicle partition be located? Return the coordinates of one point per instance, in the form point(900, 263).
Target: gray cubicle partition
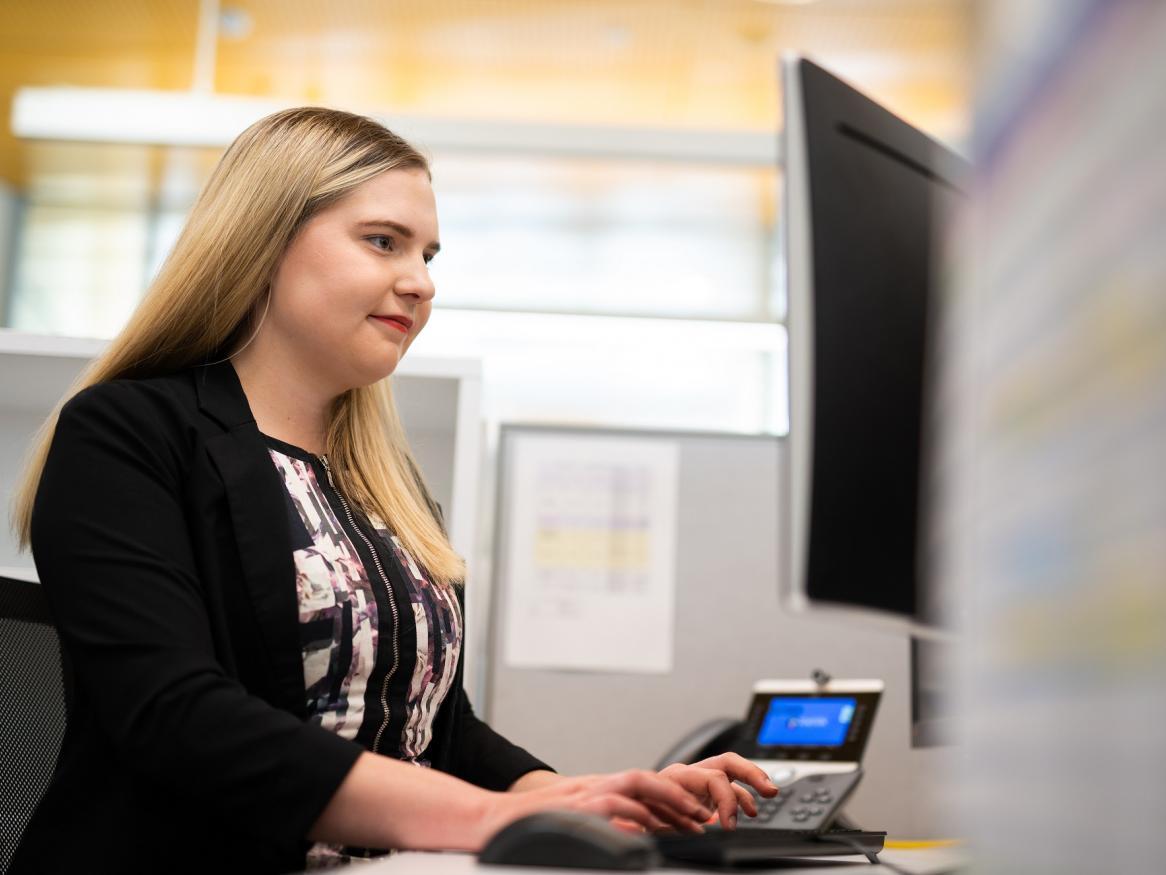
point(730, 631)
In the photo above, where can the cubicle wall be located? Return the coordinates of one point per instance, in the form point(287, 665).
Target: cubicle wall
point(729, 631)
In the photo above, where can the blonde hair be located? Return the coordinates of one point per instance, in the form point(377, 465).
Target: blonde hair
point(275, 176)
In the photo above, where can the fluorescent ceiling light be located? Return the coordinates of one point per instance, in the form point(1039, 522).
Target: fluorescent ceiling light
point(188, 118)
point(117, 115)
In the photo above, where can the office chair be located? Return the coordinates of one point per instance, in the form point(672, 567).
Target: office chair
point(32, 707)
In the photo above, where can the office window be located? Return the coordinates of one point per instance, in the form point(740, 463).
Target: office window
point(79, 269)
point(601, 236)
point(629, 294)
point(96, 222)
point(595, 291)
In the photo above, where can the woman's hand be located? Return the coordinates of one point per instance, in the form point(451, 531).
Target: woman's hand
point(636, 798)
point(711, 782)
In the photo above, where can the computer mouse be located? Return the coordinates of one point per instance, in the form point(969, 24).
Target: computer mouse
point(570, 840)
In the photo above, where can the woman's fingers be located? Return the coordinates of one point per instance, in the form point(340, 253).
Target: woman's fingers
point(628, 795)
point(627, 825)
point(725, 799)
point(675, 821)
point(614, 805)
point(740, 769)
point(649, 786)
point(715, 785)
point(745, 799)
point(683, 800)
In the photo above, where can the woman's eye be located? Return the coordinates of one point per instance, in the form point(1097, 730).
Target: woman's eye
point(381, 241)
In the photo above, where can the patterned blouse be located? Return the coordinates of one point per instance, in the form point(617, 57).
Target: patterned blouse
point(380, 640)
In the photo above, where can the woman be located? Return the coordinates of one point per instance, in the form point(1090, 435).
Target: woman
point(258, 605)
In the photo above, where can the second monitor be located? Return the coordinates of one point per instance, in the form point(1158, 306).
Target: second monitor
point(865, 196)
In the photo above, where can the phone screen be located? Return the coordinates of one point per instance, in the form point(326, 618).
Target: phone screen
point(811, 721)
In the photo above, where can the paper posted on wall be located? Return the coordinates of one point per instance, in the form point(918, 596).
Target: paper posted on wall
point(591, 553)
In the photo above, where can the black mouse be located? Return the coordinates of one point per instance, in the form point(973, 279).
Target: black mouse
point(569, 840)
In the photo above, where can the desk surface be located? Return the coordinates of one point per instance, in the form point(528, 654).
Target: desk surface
point(923, 861)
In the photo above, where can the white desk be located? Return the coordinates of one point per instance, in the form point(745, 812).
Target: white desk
point(930, 861)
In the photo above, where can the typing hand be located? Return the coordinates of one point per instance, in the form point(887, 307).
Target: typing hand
point(712, 782)
point(633, 799)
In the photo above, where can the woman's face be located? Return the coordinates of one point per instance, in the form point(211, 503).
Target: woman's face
point(353, 288)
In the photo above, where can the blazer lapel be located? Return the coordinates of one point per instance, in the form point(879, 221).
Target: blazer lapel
point(259, 519)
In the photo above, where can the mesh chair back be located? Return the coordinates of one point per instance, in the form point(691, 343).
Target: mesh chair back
point(32, 707)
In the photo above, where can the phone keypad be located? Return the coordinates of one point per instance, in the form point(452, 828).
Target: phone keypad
point(808, 803)
point(767, 809)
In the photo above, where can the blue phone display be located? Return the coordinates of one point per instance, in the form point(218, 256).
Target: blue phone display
point(806, 721)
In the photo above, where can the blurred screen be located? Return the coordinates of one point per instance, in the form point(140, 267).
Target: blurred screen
point(807, 721)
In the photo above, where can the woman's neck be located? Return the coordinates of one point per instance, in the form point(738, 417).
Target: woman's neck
point(286, 403)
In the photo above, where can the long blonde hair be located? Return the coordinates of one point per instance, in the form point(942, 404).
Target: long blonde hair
point(275, 176)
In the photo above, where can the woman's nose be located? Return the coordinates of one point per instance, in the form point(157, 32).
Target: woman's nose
point(416, 283)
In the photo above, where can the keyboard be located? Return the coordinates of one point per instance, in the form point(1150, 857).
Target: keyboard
point(761, 844)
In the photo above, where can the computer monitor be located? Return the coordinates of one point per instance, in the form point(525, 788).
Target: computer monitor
point(864, 193)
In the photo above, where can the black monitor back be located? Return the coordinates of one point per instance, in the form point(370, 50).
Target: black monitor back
point(871, 192)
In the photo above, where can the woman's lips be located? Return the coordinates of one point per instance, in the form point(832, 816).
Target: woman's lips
point(400, 324)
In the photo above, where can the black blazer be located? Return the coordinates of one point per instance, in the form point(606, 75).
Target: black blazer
point(160, 533)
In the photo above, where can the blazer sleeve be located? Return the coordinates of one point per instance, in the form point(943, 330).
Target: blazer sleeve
point(482, 756)
point(112, 547)
point(477, 753)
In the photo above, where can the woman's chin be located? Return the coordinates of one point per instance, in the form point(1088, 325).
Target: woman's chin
point(374, 371)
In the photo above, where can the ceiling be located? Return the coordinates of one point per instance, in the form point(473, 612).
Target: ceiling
point(685, 63)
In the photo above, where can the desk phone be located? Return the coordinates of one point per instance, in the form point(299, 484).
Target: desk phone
point(794, 729)
point(809, 737)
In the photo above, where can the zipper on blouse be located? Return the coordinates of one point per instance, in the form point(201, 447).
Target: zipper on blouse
point(392, 603)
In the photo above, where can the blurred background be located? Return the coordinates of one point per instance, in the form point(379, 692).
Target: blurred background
point(603, 169)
